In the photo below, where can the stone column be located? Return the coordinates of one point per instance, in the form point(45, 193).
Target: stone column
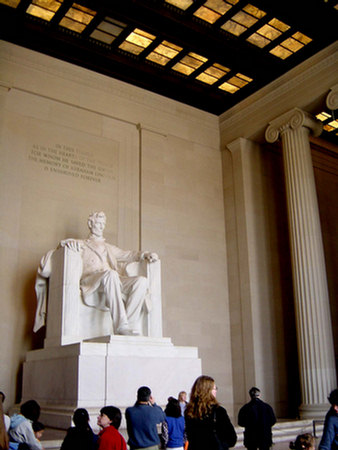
point(314, 328)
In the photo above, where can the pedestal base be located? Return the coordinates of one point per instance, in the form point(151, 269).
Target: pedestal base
point(105, 371)
point(314, 411)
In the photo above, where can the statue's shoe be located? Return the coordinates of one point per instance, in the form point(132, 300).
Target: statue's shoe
point(127, 332)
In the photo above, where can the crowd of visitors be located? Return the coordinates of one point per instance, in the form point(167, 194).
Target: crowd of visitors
point(198, 424)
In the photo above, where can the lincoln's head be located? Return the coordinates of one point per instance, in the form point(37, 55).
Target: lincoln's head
point(96, 223)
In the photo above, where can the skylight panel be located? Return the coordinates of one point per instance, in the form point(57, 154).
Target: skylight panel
point(77, 18)
point(182, 4)
point(164, 53)
point(243, 20)
point(329, 123)
point(235, 83)
point(213, 73)
point(11, 3)
point(45, 9)
point(189, 63)
point(291, 45)
point(331, 126)
point(137, 41)
point(323, 116)
point(268, 32)
point(207, 14)
point(108, 30)
point(212, 10)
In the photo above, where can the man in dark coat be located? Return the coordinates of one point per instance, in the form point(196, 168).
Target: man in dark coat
point(257, 418)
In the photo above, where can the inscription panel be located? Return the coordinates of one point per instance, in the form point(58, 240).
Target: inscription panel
point(60, 158)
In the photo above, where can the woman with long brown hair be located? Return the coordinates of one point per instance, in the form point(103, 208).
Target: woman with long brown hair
point(207, 423)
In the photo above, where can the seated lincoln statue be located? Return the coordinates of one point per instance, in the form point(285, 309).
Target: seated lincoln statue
point(104, 274)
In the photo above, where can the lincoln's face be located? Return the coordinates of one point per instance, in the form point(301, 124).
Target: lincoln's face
point(97, 226)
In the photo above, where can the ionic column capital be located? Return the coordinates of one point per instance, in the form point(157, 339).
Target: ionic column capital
point(292, 120)
point(332, 98)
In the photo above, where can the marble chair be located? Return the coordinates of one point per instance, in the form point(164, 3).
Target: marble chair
point(69, 320)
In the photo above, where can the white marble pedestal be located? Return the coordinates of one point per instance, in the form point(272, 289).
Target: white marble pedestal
point(105, 371)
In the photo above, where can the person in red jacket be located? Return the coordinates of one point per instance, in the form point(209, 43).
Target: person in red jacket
point(109, 438)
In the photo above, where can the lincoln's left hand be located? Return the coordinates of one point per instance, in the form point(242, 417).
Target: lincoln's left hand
point(150, 256)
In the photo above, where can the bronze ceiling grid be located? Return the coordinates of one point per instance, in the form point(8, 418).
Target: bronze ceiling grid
point(313, 18)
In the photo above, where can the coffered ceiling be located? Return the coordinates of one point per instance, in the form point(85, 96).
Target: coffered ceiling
point(210, 54)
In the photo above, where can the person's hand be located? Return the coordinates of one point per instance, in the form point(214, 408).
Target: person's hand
point(72, 244)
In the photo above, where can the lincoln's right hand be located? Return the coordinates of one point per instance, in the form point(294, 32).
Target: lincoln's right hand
point(72, 244)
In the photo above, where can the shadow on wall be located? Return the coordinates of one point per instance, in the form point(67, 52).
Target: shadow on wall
point(31, 340)
point(287, 333)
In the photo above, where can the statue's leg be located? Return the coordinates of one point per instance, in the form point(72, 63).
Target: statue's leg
point(134, 290)
point(111, 285)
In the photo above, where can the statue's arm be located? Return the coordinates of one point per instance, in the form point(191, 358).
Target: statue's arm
point(41, 287)
point(127, 256)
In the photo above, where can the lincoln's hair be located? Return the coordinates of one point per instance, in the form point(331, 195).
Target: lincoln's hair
point(96, 215)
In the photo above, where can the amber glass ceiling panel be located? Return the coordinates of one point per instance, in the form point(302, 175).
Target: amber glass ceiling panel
point(164, 52)
point(268, 32)
point(189, 63)
point(243, 20)
point(137, 41)
point(11, 3)
point(182, 4)
point(331, 126)
point(212, 10)
point(329, 123)
point(108, 30)
point(235, 83)
point(77, 18)
point(213, 74)
point(291, 45)
point(45, 9)
point(323, 116)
